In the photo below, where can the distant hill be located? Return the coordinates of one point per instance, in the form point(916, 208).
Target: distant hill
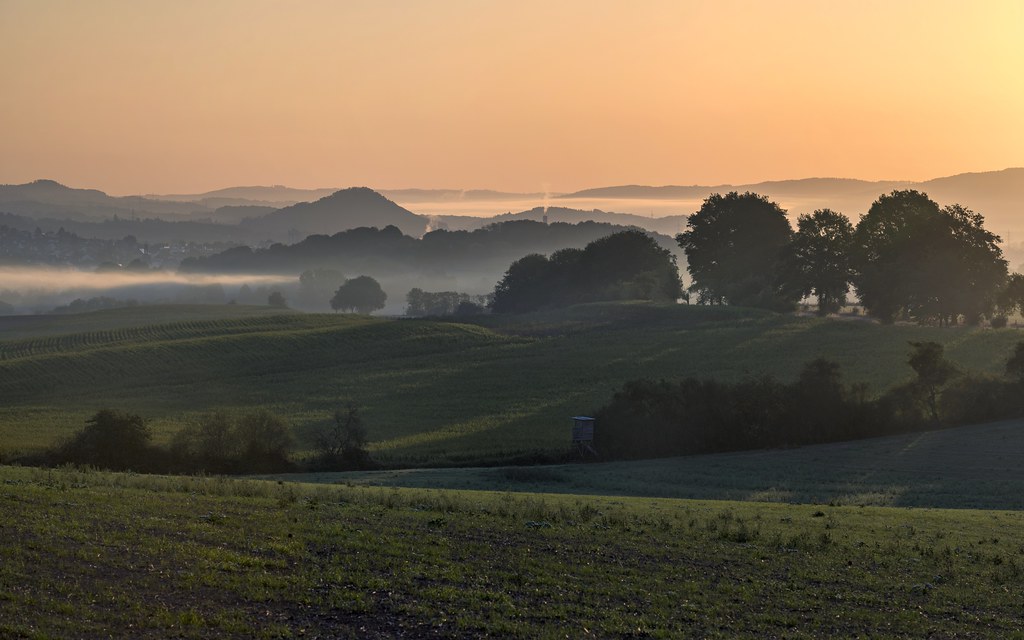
point(233, 214)
point(345, 209)
point(278, 195)
point(47, 198)
point(668, 225)
point(455, 195)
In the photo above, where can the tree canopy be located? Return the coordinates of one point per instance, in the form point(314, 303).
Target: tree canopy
point(361, 294)
point(818, 259)
point(915, 260)
point(624, 265)
point(733, 247)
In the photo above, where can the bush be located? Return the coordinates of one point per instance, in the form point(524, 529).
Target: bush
point(341, 445)
point(257, 442)
point(209, 446)
point(264, 443)
point(111, 440)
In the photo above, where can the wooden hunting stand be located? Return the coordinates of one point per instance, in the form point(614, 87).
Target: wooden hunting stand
point(583, 436)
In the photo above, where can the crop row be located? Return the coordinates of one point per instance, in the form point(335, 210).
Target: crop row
point(276, 352)
point(182, 330)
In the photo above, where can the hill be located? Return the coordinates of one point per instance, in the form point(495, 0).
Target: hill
point(666, 225)
point(345, 209)
point(50, 199)
point(275, 196)
point(996, 194)
point(435, 392)
point(455, 195)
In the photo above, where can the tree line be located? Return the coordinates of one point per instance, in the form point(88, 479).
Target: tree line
point(253, 442)
point(648, 418)
point(907, 258)
point(627, 265)
point(388, 251)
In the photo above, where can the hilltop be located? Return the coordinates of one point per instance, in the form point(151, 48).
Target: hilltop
point(345, 209)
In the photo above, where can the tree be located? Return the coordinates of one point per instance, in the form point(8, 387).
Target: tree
point(343, 442)
point(523, 287)
point(933, 372)
point(913, 259)
point(264, 442)
point(627, 265)
point(316, 286)
point(1015, 365)
point(276, 299)
point(442, 303)
point(362, 295)
point(210, 445)
point(733, 245)
point(624, 265)
point(818, 259)
point(110, 440)
point(1011, 298)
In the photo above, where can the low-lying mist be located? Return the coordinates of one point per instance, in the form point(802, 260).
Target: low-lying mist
point(42, 289)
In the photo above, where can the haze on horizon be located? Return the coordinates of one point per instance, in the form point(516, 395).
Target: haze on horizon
point(185, 97)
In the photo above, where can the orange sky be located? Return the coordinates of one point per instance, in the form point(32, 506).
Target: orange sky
point(187, 96)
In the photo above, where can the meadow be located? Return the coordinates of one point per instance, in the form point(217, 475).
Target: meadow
point(974, 467)
point(92, 554)
point(479, 391)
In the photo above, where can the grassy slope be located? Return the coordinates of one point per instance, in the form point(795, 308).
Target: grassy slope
point(21, 327)
point(431, 391)
point(976, 467)
point(90, 555)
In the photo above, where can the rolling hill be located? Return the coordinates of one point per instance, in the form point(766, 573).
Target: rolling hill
point(345, 209)
point(50, 199)
point(432, 392)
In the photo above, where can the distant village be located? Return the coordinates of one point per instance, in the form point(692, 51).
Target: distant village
point(62, 248)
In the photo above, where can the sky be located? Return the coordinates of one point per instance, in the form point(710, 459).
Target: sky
point(141, 96)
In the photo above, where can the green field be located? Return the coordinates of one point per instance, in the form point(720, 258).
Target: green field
point(91, 555)
point(976, 467)
point(432, 392)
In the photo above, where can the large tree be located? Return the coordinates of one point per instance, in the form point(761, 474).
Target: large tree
point(913, 259)
point(733, 248)
point(362, 295)
point(818, 259)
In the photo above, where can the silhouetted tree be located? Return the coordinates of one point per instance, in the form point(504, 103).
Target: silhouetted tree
point(818, 259)
point(933, 372)
point(733, 245)
point(276, 299)
point(210, 445)
point(362, 295)
point(1011, 298)
point(624, 265)
point(523, 287)
point(264, 442)
point(342, 444)
point(110, 440)
point(442, 303)
point(913, 259)
point(1015, 365)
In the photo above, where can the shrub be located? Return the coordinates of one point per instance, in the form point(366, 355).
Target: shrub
point(111, 440)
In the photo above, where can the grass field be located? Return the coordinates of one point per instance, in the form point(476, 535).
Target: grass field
point(431, 392)
point(977, 467)
point(95, 555)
